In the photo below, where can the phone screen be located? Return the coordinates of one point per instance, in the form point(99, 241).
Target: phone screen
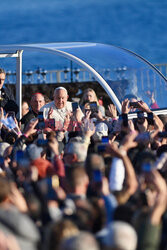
point(93, 106)
point(105, 139)
point(124, 118)
point(146, 167)
point(97, 176)
point(41, 122)
point(150, 118)
point(74, 106)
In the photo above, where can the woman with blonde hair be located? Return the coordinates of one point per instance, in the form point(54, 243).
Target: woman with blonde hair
point(89, 95)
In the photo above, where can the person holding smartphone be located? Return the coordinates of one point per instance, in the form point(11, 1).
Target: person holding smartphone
point(89, 96)
point(61, 110)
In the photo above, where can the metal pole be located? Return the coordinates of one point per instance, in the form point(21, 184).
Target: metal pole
point(71, 71)
point(19, 82)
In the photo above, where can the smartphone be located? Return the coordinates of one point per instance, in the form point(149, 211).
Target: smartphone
point(19, 155)
point(93, 107)
point(101, 148)
point(146, 167)
point(162, 134)
point(41, 123)
point(55, 181)
point(12, 114)
point(134, 104)
point(124, 118)
point(50, 123)
point(105, 139)
point(1, 162)
point(48, 187)
point(75, 105)
point(150, 118)
point(21, 159)
point(42, 143)
point(97, 176)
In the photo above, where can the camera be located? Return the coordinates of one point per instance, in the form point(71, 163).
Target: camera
point(134, 104)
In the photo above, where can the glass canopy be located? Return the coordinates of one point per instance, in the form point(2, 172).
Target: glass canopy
point(119, 71)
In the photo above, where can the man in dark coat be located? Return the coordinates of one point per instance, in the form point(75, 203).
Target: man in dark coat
point(37, 102)
point(7, 100)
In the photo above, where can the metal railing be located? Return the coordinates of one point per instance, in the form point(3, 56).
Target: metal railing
point(68, 75)
point(41, 76)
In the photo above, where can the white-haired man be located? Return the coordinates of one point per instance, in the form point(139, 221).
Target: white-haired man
point(59, 108)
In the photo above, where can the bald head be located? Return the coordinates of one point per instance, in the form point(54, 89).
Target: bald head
point(60, 97)
point(37, 102)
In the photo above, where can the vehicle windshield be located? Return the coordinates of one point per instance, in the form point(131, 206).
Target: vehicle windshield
point(125, 72)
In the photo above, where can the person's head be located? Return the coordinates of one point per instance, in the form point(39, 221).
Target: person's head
point(75, 152)
point(6, 155)
point(77, 179)
point(37, 102)
point(2, 77)
point(94, 162)
point(82, 241)
point(119, 235)
point(101, 130)
point(89, 95)
point(60, 231)
point(60, 97)
point(25, 108)
point(5, 189)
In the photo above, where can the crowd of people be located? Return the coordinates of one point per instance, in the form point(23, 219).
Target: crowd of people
point(80, 176)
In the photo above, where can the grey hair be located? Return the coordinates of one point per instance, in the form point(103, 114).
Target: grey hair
point(77, 148)
point(60, 88)
point(82, 241)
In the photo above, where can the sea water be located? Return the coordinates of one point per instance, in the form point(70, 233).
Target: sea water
point(137, 25)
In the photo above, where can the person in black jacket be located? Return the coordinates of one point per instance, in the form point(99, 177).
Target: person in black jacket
point(37, 102)
point(6, 95)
